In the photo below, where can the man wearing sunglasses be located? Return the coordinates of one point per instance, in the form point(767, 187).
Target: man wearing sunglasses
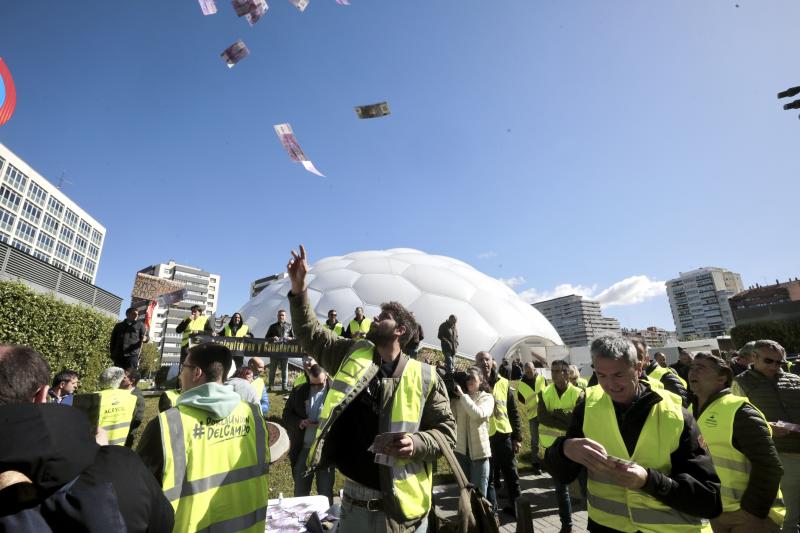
point(777, 394)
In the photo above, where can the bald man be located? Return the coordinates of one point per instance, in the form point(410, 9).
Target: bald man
point(256, 364)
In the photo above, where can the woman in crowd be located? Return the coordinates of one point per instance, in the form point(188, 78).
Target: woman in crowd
point(472, 409)
point(576, 379)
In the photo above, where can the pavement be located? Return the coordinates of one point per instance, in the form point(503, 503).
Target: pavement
point(539, 489)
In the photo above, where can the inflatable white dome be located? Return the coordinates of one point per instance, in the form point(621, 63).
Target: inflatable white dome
point(490, 315)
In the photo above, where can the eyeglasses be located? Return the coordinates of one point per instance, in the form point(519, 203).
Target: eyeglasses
point(185, 365)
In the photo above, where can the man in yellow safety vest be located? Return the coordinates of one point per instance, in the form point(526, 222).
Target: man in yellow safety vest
point(110, 409)
point(738, 438)
point(256, 364)
point(359, 326)
point(333, 323)
point(528, 389)
point(647, 470)
point(196, 322)
point(211, 452)
point(377, 417)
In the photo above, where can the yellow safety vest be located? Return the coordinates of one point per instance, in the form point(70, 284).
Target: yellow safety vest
point(337, 328)
point(299, 380)
point(581, 383)
point(659, 371)
point(499, 422)
point(195, 326)
point(117, 407)
point(258, 386)
point(733, 467)
point(412, 481)
point(653, 382)
point(552, 401)
point(633, 510)
point(530, 396)
point(223, 485)
point(241, 332)
point(355, 327)
point(171, 395)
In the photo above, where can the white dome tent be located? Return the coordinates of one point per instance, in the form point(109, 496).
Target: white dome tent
point(491, 316)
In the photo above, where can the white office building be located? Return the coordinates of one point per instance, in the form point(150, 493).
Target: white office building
point(577, 320)
point(203, 290)
point(699, 302)
point(38, 219)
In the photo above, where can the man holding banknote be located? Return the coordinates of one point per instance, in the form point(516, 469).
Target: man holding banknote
point(376, 419)
point(647, 470)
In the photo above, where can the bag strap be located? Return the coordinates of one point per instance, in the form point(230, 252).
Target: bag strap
point(447, 451)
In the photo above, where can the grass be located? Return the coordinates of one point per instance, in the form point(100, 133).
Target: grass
point(280, 473)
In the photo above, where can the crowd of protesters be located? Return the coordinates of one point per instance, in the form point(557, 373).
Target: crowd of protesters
point(709, 443)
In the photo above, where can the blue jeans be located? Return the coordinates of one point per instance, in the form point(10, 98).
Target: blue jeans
point(564, 503)
point(448, 363)
point(302, 483)
point(476, 470)
point(533, 423)
point(273, 365)
point(359, 520)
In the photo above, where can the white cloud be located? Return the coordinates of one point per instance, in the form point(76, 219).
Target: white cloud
point(487, 255)
point(513, 281)
point(629, 291)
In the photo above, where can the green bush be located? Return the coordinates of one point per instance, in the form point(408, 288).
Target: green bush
point(785, 332)
point(67, 335)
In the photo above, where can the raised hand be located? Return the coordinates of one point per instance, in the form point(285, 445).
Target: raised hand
point(297, 267)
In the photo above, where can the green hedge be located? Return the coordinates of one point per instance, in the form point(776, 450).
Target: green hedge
point(67, 335)
point(785, 332)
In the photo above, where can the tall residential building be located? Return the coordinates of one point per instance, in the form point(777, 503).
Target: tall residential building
point(262, 283)
point(40, 220)
point(203, 290)
point(772, 302)
point(654, 337)
point(699, 302)
point(577, 320)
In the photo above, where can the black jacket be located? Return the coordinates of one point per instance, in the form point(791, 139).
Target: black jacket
point(126, 339)
point(692, 487)
point(671, 383)
point(294, 411)
point(76, 484)
point(282, 331)
point(752, 438)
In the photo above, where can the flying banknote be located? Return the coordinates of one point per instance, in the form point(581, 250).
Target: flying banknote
point(343, 2)
point(299, 4)
point(235, 53)
point(290, 144)
point(381, 109)
point(253, 10)
point(209, 7)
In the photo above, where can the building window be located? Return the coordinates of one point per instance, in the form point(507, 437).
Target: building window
point(70, 219)
point(90, 266)
point(4, 238)
point(97, 237)
point(37, 194)
point(62, 252)
point(46, 242)
point(25, 231)
point(9, 198)
point(66, 235)
point(21, 246)
point(15, 178)
point(7, 220)
point(31, 212)
point(80, 243)
point(58, 264)
point(1, 163)
point(77, 260)
point(74, 271)
point(39, 255)
point(87, 278)
point(94, 251)
point(84, 228)
point(50, 224)
point(55, 207)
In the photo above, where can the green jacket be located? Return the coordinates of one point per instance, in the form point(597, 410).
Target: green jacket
point(330, 350)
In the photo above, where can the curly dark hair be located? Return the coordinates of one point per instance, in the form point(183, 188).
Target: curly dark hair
point(402, 317)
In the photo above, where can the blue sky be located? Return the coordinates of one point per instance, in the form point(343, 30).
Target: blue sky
point(577, 144)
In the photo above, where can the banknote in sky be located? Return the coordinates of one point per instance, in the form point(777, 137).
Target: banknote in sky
point(381, 109)
point(235, 53)
point(289, 142)
point(209, 7)
point(299, 4)
point(253, 10)
point(343, 2)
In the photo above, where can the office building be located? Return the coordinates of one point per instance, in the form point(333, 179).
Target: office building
point(699, 302)
point(38, 219)
point(780, 301)
point(203, 290)
point(262, 283)
point(577, 320)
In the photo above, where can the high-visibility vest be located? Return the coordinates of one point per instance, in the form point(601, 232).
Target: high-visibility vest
point(195, 326)
point(581, 383)
point(732, 466)
point(653, 382)
point(258, 386)
point(530, 396)
point(355, 327)
point(659, 371)
point(299, 380)
point(223, 484)
point(619, 508)
point(241, 332)
point(499, 422)
point(412, 480)
point(552, 401)
point(171, 396)
point(337, 328)
point(117, 407)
